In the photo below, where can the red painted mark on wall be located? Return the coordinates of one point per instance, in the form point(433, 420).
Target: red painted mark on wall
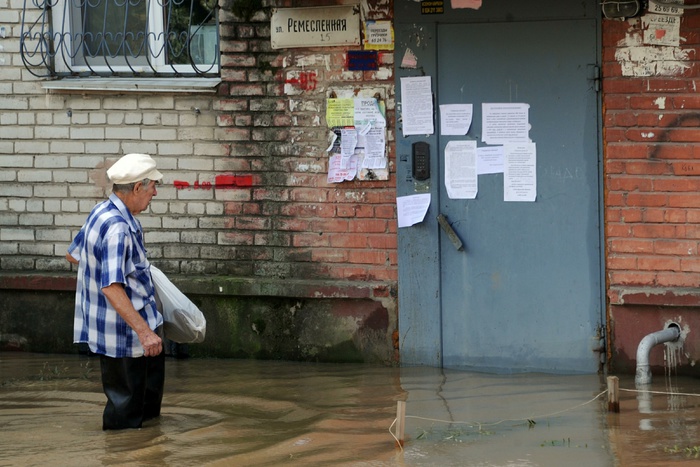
point(221, 182)
point(306, 81)
point(233, 181)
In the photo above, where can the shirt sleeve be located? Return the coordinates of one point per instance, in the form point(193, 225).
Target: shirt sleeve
point(116, 248)
point(76, 245)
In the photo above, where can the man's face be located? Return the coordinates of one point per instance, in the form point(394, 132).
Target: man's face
point(142, 195)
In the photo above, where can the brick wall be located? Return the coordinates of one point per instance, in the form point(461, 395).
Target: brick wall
point(271, 114)
point(652, 190)
point(283, 221)
point(651, 158)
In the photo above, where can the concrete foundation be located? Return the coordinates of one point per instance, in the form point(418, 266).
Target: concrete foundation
point(317, 322)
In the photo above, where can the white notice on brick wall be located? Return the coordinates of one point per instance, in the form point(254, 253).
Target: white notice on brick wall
point(662, 30)
point(337, 173)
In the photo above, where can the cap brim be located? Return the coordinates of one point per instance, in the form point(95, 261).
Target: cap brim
point(153, 175)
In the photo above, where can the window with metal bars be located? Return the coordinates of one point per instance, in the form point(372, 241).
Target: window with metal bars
point(129, 38)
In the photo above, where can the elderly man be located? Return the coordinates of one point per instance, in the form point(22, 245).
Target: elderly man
point(115, 306)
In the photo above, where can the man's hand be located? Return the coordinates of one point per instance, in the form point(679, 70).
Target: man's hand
point(152, 344)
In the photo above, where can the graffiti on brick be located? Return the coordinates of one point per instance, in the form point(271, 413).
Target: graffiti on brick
point(306, 81)
point(220, 182)
point(682, 123)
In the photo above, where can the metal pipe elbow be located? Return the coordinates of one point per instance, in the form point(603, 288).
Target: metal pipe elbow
point(643, 373)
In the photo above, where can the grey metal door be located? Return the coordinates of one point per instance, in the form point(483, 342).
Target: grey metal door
point(525, 294)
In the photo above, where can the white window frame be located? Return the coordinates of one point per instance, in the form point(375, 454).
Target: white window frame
point(64, 19)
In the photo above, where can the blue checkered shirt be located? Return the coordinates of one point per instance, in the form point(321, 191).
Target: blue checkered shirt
point(110, 249)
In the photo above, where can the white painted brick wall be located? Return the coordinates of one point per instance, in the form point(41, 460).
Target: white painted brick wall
point(12, 190)
point(53, 235)
point(36, 249)
point(198, 237)
point(55, 148)
point(15, 161)
point(32, 147)
point(50, 191)
point(8, 176)
point(8, 218)
point(7, 248)
point(34, 176)
point(52, 205)
point(23, 235)
point(54, 162)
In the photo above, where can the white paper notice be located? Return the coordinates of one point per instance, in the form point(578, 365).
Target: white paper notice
point(455, 119)
point(412, 209)
point(379, 33)
point(461, 181)
point(367, 111)
point(337, 173)
point(348, 143)
point(332, 137)
point(505, 123)
point(520, 172)
point(489, 160)
point(417, 106)
point(374, 144)
point(661, 30)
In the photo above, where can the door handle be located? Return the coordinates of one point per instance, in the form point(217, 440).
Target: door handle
point(450, 232)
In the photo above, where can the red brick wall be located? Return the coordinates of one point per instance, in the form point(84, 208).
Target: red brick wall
point(651, 113)
point(291, 222)
point(651, 162)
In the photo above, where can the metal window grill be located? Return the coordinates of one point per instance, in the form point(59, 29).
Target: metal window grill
point(128, 38)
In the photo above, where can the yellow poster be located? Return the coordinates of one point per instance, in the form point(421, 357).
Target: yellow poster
point(340, 112)
point(379, 35)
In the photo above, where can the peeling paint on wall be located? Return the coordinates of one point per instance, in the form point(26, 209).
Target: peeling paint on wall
point(313, 61)
point(637, 59)
point(409, 59)
point(376, 9)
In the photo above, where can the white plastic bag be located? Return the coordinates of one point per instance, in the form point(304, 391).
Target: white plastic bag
point(184, 323)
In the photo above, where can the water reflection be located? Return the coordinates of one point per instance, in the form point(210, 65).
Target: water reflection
point(505, 420)
point(261, 413)
point(658, 423)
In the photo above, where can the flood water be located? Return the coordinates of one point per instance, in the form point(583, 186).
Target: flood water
point(264, 413)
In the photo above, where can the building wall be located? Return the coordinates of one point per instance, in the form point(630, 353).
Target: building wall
point(652, 202)
point(281, 234)
point(245, 203)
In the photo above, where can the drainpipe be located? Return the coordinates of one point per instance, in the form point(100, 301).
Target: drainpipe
point(671, 333)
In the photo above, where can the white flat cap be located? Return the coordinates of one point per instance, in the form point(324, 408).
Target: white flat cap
point(133, 168)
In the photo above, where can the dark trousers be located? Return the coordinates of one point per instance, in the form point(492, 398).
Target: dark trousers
point(134, 390)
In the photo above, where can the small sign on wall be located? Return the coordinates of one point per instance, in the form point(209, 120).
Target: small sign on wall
point(362, 60)
point(432, 7)
point(315, 26)
point(379, 35)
